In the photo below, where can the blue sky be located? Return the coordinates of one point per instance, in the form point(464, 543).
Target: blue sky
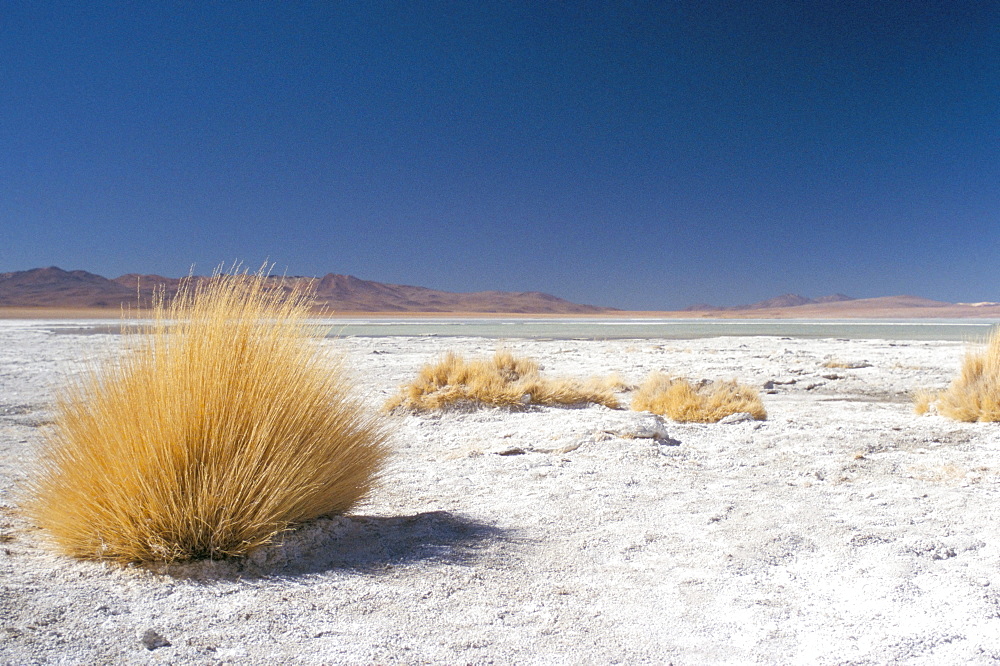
point(641, 155)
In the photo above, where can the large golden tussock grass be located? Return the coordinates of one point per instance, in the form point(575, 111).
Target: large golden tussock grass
point(680, 400)
point(975, 394)
point(224, 424)
point(502, 381)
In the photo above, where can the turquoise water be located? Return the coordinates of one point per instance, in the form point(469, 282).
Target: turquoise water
point(678, 329)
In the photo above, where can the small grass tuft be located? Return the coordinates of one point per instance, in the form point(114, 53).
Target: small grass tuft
point(711, 402)
point(923, 401)
point(503, 381)
point(846, 365)
point(975, 394)
point(223, 425)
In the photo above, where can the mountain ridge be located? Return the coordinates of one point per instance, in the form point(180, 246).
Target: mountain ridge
point(54, 287)
point(783, 301)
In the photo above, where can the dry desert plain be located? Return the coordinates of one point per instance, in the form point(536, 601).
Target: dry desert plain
point(844, 529)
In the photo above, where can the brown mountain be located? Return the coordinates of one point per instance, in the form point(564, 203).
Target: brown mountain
point(833, 298)
point(346, 292)
point(55, 288)
point(783, 301)
point(905, 307)
point(791, 301)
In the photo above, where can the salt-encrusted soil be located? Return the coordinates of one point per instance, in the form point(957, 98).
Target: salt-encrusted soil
point(844, 529)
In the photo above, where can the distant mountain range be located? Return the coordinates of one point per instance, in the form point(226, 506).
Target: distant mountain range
point(794, 306)
point(56, 288)
point(53, 287)
point(784, 301)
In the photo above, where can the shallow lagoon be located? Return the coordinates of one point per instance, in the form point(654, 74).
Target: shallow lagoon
point(961, 330)
point(677, 329)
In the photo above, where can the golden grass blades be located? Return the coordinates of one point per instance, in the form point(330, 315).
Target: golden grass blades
point(975, 394)
point(680, 400)
point(923, 401)
point(224, 423)
point(502, 381)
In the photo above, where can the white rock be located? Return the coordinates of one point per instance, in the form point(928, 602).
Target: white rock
point(738, 417)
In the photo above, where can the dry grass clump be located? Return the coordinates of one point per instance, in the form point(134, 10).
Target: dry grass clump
point(503, 381)
point(923, 401)
point(680, 400)
point(975, 394)
point(848, 365)
point(224, 425)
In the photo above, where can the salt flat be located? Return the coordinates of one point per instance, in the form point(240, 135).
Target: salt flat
point(842, 530)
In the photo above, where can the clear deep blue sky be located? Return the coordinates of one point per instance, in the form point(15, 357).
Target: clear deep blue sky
point(634, 154)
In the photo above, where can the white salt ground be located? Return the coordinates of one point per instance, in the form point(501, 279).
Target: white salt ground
point(842, 530)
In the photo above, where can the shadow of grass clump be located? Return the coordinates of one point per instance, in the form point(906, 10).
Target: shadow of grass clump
point(358, 544)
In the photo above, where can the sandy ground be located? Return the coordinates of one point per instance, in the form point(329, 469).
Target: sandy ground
point(842, 530)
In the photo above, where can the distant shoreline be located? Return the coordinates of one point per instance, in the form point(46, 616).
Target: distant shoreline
point(824, 311)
